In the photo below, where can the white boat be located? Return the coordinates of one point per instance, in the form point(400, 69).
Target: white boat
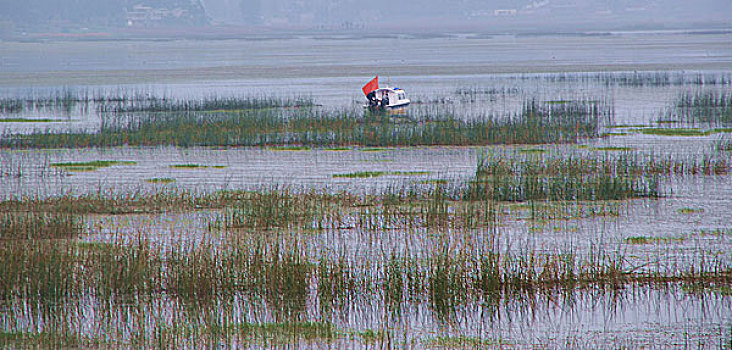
point(386, 97)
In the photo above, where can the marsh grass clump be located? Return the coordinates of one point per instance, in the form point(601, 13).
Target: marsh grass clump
point(703, 107)
point(447, 281)
point(39, 225)
point(551, 176)
point(272, 208)
point(338, 283)
point(558, 178)
point(38, 270)
point(280, 276)
point(122, 271)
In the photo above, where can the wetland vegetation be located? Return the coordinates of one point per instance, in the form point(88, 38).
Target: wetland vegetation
point(298, 123)
point(262, 250)
point(545, 220)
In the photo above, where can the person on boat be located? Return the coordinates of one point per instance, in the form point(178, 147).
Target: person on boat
point(385, 100)
point(373, 102)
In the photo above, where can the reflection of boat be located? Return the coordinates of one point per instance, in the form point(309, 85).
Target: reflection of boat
point(385, 97)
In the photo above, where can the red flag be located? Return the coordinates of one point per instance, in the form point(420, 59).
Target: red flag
point(371, 86)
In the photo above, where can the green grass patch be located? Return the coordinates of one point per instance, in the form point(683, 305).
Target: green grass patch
point(28, 120)
point(285, 331)
point(641, 240)
point(408, 173)
point(289, 148)
point(81, 169)
point(532, 151)
point(434, 182)
point(718, 232)
point(460, 342)
point(360, 174)
point(625, 126)
point(613, 148)
point(688, 210)
point(608, 134)
point(160, 180)
point(673, 132)
point(337, 149)
point(196, 166)
point(91, 165)
point(682, 131)
point(368, 174)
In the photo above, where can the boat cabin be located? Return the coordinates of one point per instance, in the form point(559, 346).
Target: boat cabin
point(388, 98)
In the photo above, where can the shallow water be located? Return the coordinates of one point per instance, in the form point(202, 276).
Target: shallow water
point(476, 76)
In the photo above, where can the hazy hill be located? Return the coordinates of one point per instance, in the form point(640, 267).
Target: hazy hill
point(435, 13)
point(371, 15)
point(39, 15)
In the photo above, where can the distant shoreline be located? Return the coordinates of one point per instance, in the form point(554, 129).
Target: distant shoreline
point(101, 61)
